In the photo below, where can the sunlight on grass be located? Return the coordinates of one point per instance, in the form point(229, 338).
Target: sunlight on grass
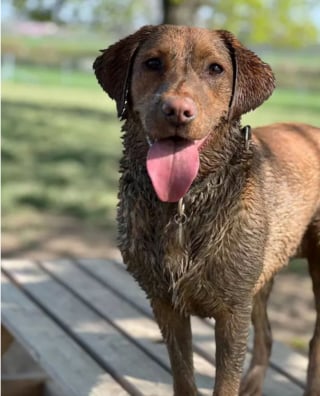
point(61, 148)
point(299, 344)
point(62, 96)
point(287, 105)
point(61, 145)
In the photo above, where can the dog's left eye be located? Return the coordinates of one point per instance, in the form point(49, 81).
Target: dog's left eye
point(215, 68)
point(153, 63)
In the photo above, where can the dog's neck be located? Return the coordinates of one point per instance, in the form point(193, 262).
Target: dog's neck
point(225, 147)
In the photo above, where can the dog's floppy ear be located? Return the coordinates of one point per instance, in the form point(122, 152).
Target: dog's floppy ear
point(113, 67)
point(253, 80)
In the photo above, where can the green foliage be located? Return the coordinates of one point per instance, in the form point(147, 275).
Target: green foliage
point(119, 16)
point(273, 23)
point(39, 10)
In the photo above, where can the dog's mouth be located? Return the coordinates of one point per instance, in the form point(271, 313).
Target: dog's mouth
point(172, 164)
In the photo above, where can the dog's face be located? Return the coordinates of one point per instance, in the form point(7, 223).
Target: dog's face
point(182, 83)
point(176, 78)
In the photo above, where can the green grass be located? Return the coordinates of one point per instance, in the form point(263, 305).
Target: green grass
point(61, 143)
point(292, 58)
point(287, 105)
point(299, 344)
point(60, 152)
point(40, 75)
point(56, 49)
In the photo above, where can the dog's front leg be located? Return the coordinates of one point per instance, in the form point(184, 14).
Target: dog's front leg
point(232, 330)
point(253, 380)
point(176, 332)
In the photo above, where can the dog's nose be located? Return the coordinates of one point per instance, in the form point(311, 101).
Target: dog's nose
point(178, 110)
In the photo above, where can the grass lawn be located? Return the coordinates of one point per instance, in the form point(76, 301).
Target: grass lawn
point(61, 145)
point(60, 151)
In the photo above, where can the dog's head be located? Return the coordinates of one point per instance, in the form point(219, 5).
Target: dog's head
point(182, 82)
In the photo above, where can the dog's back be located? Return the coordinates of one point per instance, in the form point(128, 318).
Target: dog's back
point(291, 172)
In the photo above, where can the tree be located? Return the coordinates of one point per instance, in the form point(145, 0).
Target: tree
point(41, 10)
point(177, 12)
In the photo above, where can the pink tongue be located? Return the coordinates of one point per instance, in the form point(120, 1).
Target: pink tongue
point(172, 167)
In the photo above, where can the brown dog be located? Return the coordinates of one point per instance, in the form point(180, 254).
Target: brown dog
point(207, 214)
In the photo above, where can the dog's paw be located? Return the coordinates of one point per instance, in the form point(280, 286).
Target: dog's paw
point(251, 384)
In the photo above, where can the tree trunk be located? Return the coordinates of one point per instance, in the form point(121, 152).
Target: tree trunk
point(180, 12)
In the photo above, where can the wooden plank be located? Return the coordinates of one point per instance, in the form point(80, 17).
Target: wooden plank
point(293, 363)
point(6, 340)
point(97, 335)
point(114, 275)
point(60, 356)
point(130, 321)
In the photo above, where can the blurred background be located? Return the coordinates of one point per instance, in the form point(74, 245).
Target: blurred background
point(61, 138)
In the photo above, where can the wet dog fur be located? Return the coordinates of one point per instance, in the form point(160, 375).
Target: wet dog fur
point(252, 206)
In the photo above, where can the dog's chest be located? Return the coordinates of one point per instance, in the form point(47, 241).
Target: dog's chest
point(193, 263)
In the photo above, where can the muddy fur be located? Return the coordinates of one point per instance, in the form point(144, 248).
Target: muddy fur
point(248, 211)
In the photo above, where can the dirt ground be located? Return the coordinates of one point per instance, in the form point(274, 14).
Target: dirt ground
point(291, 307)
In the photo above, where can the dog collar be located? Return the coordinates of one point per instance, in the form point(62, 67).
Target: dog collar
point(247, 135)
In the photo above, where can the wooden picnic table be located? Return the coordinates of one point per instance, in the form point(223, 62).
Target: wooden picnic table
point(90, 327)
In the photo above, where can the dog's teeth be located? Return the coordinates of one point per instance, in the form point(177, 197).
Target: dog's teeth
point(149, 141)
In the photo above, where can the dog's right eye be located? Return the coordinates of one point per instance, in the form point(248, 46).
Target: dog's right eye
point(215, 68)
point(153, 64)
